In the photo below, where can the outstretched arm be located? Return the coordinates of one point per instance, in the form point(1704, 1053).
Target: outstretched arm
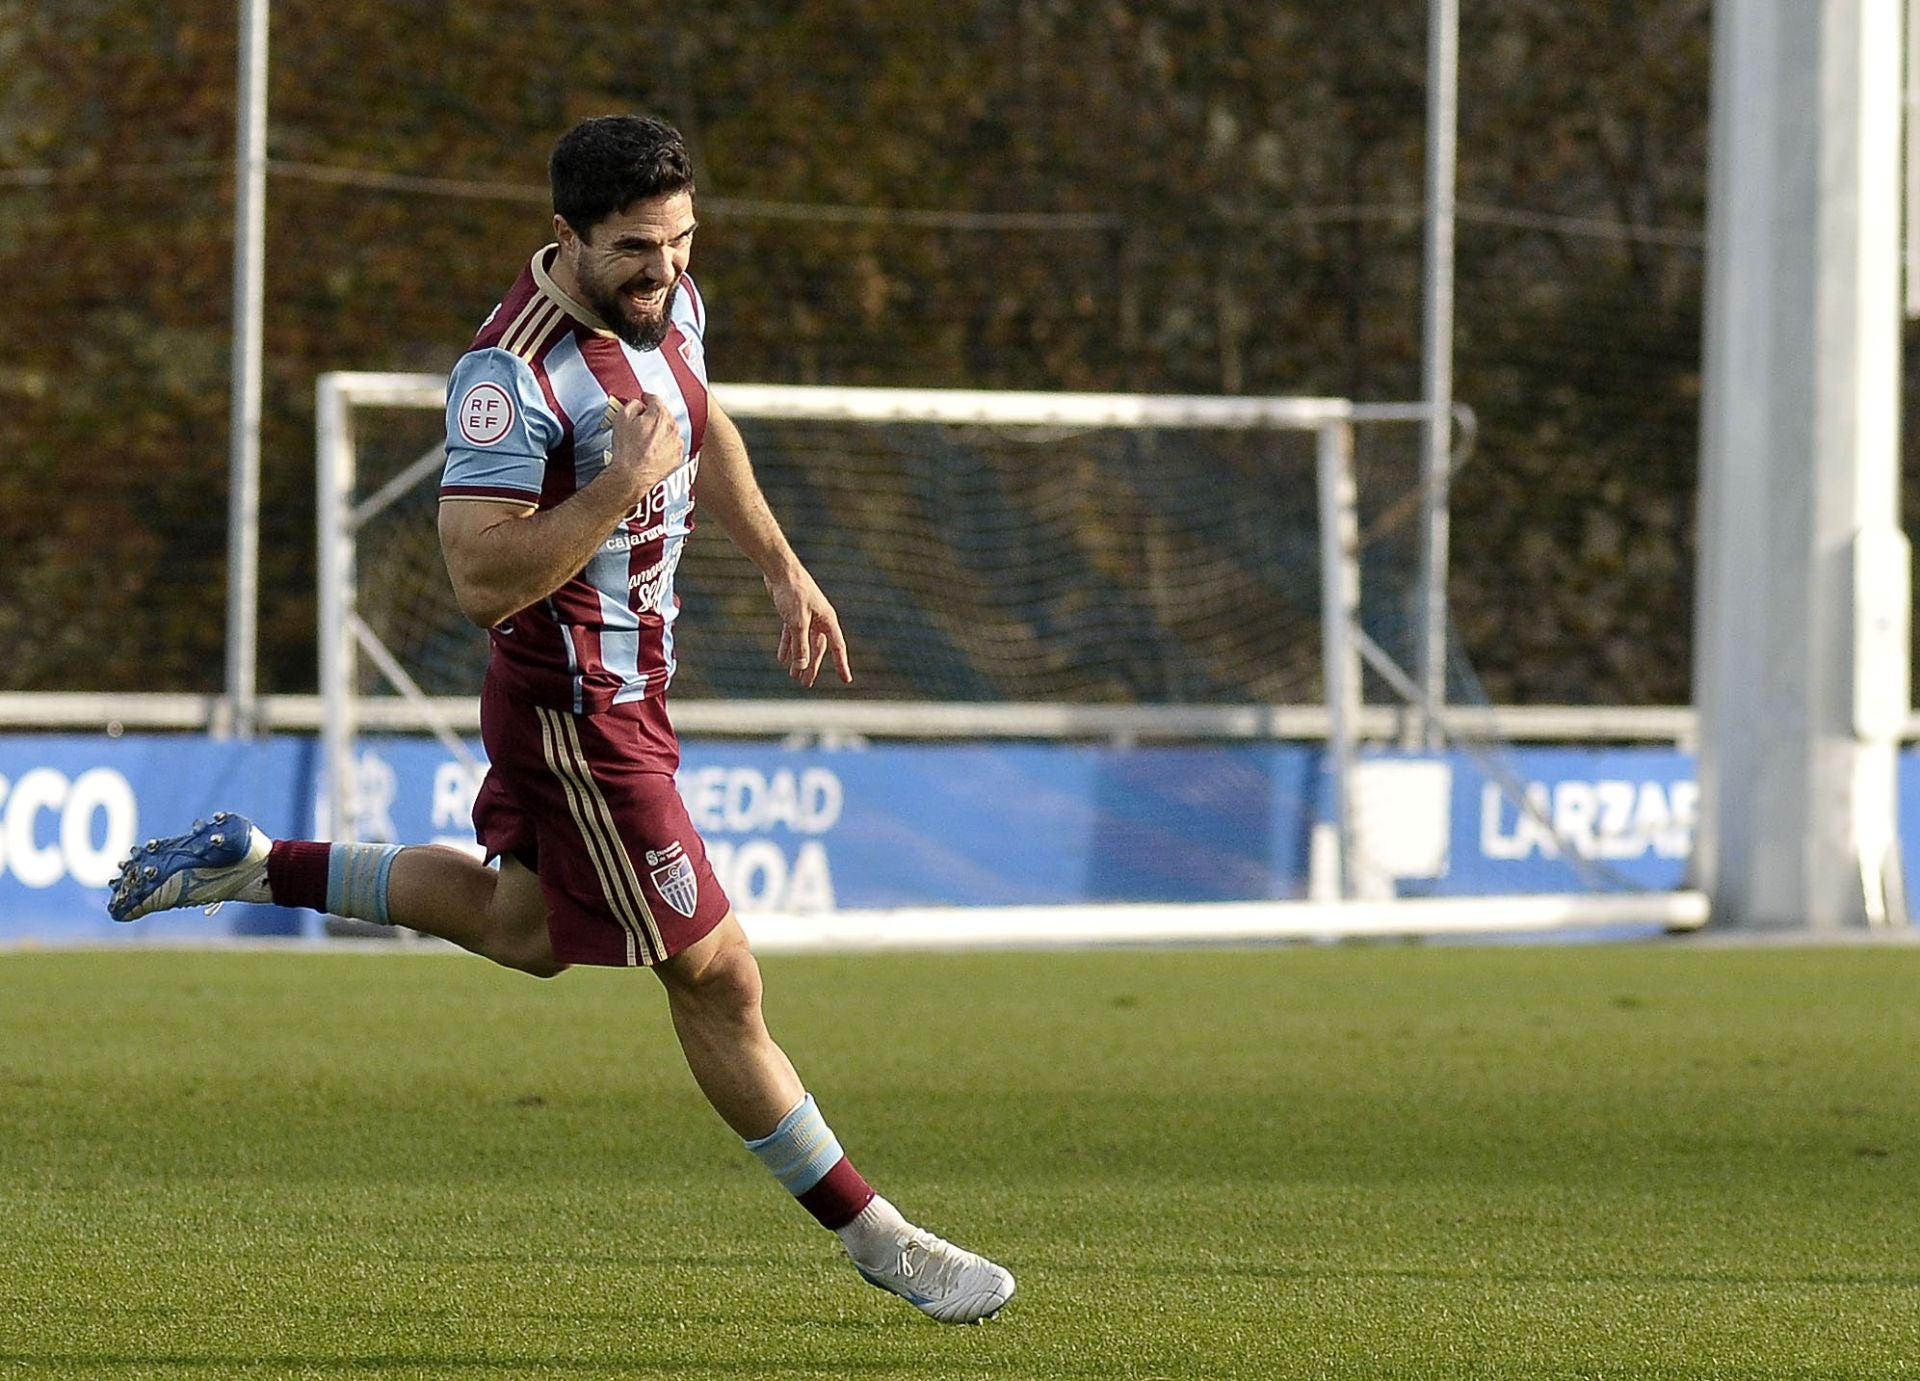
point(809, 628)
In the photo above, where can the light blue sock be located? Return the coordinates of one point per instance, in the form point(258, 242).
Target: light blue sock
point(357, 880)
point(805, 1156)
point(799, 1151)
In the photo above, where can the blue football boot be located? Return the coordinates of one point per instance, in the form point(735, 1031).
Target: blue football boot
point(219, 860)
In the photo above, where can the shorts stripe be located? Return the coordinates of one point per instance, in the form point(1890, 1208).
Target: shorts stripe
point(623, 862)
point(577, 809)
point(561, 743)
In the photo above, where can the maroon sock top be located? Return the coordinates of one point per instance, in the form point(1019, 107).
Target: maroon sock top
point(839, 1197)
point(297, 873)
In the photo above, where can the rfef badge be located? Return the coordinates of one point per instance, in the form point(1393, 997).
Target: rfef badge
point(486, 414)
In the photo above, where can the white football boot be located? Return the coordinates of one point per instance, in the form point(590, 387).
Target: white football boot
point(946, 1283)
point(219, 860)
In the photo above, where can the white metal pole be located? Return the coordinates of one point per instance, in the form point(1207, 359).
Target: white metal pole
point(1339, 607)
point(1436, 349)
point(335, 568)
point(249, 267)
point(1911, 171)
point(1802, 601)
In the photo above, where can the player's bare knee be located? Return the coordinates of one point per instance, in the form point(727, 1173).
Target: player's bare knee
point(726, 986)
point(739, 988)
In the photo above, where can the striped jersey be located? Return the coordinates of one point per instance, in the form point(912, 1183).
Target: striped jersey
point(527, 424)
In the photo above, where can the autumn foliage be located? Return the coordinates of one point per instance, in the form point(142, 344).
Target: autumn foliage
point(1188, 196)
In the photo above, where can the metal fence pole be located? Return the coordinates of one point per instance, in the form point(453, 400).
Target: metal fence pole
point(249, 269)
point(1910, 99)
point(1436, 432)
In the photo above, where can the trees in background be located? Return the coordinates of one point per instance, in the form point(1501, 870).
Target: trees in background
point(1187, 196)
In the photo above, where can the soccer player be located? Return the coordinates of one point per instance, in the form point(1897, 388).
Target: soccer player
point(579, 433)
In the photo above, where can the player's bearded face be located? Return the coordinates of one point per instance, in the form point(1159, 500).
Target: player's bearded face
point(639, 307)
point(629, 273)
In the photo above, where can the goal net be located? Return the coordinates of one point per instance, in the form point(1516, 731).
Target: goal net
point(983, 549)
point(1006, 565)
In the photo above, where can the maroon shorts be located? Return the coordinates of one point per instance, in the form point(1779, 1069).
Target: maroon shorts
point(588, 802)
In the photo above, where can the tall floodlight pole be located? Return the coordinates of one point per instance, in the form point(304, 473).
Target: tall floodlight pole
point(1910, 110)
point(1436, 355)
point(1803, 600)
point(249, 271)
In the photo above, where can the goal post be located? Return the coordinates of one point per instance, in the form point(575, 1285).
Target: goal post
point(342, 634)
point(345, 636)
point(1011, 555)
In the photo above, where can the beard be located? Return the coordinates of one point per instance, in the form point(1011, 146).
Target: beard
point(641, 329)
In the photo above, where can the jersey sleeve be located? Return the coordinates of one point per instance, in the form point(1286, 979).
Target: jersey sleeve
point(499, 430)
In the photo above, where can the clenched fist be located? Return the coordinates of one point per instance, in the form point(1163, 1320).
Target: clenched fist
point(646, 445)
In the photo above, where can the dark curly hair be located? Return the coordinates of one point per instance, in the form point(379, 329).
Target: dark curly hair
point(605, 164)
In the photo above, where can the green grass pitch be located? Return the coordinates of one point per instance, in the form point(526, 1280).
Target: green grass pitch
point(1396, 1161)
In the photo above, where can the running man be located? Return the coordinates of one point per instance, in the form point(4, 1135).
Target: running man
point(579, 432)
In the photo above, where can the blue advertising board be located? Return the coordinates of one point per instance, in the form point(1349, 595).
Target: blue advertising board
point(914, 825)
point(72, 807)
point(904, 825)
point(1569, 820)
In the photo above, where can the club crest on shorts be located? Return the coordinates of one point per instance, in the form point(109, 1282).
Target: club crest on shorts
point(678, 885)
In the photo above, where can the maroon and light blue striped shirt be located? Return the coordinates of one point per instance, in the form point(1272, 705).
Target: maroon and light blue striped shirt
point(527, 424)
